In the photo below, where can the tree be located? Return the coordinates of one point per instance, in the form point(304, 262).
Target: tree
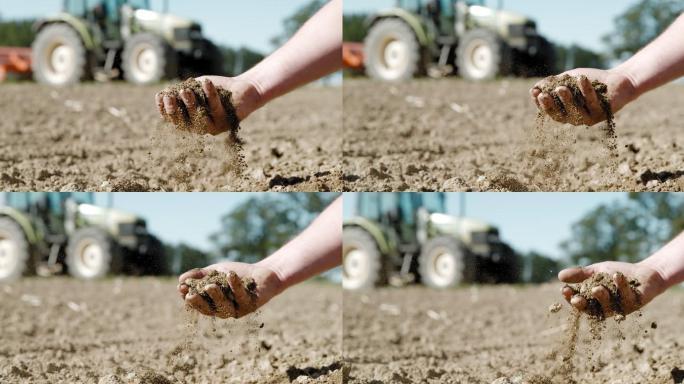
point(184, 257)
point(626, 230)
point(541, 268)
point(575, 56)
point(16, 33)
point(640, 24)
point(292, 23)
point(354, 27)
point(239, 60)
point(262, 224)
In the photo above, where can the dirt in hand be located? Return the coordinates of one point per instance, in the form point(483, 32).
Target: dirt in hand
point(594, 308)
point(198, 124)
point(222, 280)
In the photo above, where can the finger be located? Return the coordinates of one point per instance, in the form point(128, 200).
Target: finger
point(188, 98)
point(160, 105)
point(575, 274)
point(628, 300)
point(579, 302)
point(218, 114)
point(568, 293)
point(196, 273)
point(198, 303)
point(592, 102)
point(244, 302)
point(170, 106)
point(602, 295)
point(223, 308)
point(534, 93)
point(550, 108)
point(183, 289)
point(577, 115)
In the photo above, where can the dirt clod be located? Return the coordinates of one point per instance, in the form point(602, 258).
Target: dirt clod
point(594, 308)
point(223, 281)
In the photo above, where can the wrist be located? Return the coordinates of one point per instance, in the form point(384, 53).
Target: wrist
point(630, 81)
point(277, 273)
point(661, 272)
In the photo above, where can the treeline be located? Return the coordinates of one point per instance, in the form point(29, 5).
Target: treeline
point(18, 33)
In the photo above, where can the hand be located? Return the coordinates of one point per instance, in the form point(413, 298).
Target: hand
point(246, 99)
point(268, 285)
point(652, 284)
point(621, 90)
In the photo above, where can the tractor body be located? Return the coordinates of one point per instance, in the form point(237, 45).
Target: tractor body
point(106, 39)
point(49, 233)
point(438, 37)
point(408, 237)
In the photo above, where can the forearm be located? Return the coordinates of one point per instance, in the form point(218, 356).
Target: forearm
point(669, 261)
point(313, 52)
point(314, 251)
point(660, 62)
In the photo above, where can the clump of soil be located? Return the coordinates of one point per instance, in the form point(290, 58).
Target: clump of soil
point(594, 308)
point(198, 286)
point(601, 90)
point(233, 142)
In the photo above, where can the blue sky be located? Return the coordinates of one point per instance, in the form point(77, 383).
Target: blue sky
point(231, 22)
point(528, 221)
point(578, 21)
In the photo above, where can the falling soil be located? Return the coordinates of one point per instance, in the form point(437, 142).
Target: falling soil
point(594, 308)
point(198, 124)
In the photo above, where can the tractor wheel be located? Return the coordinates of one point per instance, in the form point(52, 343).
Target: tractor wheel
point(443, 263)
point(59, 56)
point(91, 254)
point(15, 255)
point(147, 59)
point(392, 51)
point(481, 55)
point(362, 265)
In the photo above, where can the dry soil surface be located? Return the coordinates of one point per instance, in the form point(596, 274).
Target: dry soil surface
point(135, 330)
point(475, 335)
point(108, 137)
point(450, 134)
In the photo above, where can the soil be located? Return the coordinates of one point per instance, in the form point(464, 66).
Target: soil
point(455, 135)
point(478, 334)
point(137, 331)
point(594, 308)
point(197, 286)
point(109, 137)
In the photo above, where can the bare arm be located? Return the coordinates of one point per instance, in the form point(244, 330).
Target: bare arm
point(658, 63)
point(316, 250)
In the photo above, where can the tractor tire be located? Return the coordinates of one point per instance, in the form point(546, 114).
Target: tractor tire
point(362, 265)
point(148, 59)
point(443, 263)
point(15, 254)
point(392, 51)
point(91, 254)
point(481, 55)
point(58, 56)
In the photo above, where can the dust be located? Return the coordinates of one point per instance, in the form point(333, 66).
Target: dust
point(190, 135)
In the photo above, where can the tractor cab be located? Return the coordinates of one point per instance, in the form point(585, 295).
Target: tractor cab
point(403, 237)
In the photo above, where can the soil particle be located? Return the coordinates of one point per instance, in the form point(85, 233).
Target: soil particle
point(555, 307)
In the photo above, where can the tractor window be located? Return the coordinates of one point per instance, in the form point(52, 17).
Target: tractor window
point(407, 206)
point(83, 197)
point(75, 7)
point(411, 5)
point(139, 4)
point(447, 8)
point(56, 206)
point(17, 200)
point(434, 202)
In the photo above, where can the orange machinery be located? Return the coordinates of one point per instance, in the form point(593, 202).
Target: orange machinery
point(14, 60)
point(352, 55)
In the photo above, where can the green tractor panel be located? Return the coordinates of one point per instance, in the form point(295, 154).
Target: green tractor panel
point(408, 237)
point(47, 233)
point(105, 39)
point(437, 37)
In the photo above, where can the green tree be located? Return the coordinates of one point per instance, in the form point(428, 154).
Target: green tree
point(640, 24)
point(354, 27)
point(262, 224)
point(184, 257)
point(18, 33)
point(239, 60)
point(292, 23)
point(575, 56)
point(626, 230)
point(541, 268)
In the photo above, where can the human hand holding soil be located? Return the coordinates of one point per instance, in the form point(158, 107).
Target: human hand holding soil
point(633, 285)
point(583, 107)
point(245, 98)
point(250, 287)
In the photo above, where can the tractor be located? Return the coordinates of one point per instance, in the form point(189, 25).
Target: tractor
point(104, 39)
point(436, 37)
point(47, 233)
point(398, 238)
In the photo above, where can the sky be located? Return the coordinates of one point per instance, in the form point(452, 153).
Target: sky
point(230, 22)
point(583, 22)
point(527, 221)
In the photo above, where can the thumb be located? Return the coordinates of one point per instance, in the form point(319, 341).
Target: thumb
point(575, 274)
point(196, 273)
